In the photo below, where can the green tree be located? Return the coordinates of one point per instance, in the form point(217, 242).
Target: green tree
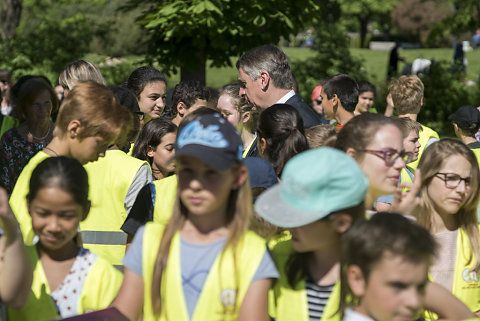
point(366, 11)
point(185, 33)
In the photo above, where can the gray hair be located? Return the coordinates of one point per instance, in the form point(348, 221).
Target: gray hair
point(270, 59)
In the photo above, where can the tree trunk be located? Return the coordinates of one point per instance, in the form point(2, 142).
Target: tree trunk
point(196, 70)
point(10, 18)
point(363, 30)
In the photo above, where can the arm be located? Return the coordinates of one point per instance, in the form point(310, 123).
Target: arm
point(129, 300)
point(389, 108)
point(255, 303)
point(442, 302)
point(16, 270)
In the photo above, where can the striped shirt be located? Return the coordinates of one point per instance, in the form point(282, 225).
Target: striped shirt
point(317, 297)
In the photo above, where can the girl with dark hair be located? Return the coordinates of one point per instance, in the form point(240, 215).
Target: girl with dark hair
point(67, 279)
point(155, 144)
point(149, 86)
point(280, 135)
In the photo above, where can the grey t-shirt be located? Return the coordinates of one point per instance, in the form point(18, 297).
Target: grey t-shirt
point(195, 263)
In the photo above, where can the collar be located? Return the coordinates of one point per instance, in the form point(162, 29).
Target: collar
point(287, 96)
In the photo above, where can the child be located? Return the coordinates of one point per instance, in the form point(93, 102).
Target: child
point(241, 115)
point(155, 144)
point(203, 265)
point(466, 122)
point(339, 98)
point(320, 195)
point(385, 263)
point(90, 120)
point(366, 97)
point(67, 279)
point(407, 98)
point(410, 131)
point(450, 194)
point(186, 98)
point(149, 86)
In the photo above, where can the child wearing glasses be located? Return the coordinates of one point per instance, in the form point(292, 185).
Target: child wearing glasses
point(376, 143)
point(450, 194)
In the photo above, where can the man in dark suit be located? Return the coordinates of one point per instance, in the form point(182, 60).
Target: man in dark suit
point(267, 80)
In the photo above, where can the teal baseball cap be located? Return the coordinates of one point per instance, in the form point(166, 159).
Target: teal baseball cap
point(314, 184)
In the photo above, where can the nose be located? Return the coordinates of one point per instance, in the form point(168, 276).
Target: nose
point(241, 92)
point(53, 225)
point(414, 299)
point(399, 163)
point(160, 102)
point(462, 187)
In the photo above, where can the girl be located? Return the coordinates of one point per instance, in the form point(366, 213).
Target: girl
point(366, 97)
point(280, 135)
point(204, 265)
point(376, 143)
point(36, 102)
point(68, 280)
point(240, 114)
point(90, 120)
point(155, 144)
point(450, 193)
point(149, 86)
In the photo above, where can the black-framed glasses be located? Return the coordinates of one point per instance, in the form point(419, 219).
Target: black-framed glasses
point(453, 180)
point(389, 156)
point(140, 114)
point(318, 101)
point(4, 81)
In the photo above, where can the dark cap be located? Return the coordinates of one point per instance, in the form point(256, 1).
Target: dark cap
point(212, 139)
point(466, 117)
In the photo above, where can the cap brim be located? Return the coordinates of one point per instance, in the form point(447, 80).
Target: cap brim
point(205, 154)
point(271, 207)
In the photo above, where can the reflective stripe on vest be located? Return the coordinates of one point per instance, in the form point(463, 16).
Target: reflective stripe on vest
point(104, 237)
point(222, 293)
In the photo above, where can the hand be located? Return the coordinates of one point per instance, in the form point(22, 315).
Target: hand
point(408, 202)
point(8, 222)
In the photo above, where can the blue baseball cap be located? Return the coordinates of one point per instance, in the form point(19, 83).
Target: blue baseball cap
point(212, 139)
point(314, 184)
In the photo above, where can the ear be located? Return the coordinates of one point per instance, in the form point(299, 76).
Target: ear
point(265, 80)
point(342, 223)
point(351, 152)
point(74, 128)
point(150, 151)
point(356, 280)
point(86, 210)
point(242, 175)
point(262, 145)
point(335, 102)
point(181, 107)
point(245, 117)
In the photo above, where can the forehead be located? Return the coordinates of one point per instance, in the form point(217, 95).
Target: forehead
point(456, 164)
point(397, 268)
point(367, 94)
point(388, 136)
point(242, 76)
point(413, 134)
point(155, 87)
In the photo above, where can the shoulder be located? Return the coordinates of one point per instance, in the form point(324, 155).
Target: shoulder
point(427, 131)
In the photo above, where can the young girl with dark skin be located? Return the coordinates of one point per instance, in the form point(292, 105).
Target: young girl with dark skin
point(68, 279)
point(211, 216)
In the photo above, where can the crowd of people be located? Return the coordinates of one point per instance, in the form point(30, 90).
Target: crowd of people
point(237, 203)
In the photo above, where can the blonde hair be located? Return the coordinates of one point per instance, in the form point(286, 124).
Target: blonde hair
point(321, 135)
point(466, 218)
point(98, 111)
point(407, 94)
point(239, 213)
point(80, 70)
point(407, 125)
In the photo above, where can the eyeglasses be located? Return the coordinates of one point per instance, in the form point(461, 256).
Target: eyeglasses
point(140, 114)
point(389, 156)
point(318, 101)
point(453, 180)
point(4, 81)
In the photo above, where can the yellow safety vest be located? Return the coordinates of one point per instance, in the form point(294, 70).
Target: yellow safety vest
point(98, 291)
point(222, 294)
point(164, 199)
point(109, 178)
point(423, 137)
point(7, 123)
point(476, 151)
point(466, 283)
point(18, 201)
point(287, 303)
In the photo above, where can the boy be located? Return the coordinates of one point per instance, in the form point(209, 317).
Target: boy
point(339, 98)
point(466, 122)
point(407, 97)
point(385, 264)
point(187, 96)
point(410, 131)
